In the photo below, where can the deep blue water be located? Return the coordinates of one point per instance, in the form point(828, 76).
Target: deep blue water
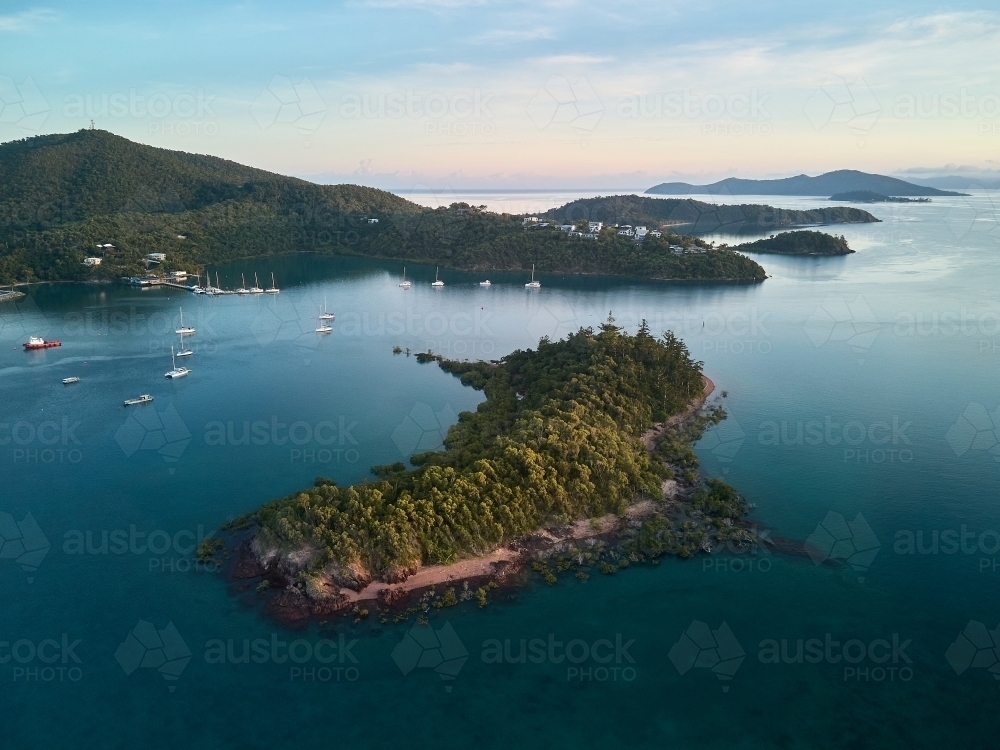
point(884, 362)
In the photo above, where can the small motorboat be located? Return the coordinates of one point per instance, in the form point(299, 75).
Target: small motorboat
point(70, 381)
point(485, 283)
point(145, 398)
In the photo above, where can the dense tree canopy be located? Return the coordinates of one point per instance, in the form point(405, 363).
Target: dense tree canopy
point(556, 438)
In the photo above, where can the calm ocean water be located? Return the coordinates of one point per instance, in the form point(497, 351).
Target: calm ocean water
point(864, 412)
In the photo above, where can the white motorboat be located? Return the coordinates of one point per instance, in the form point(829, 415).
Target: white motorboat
point(145, 398)
point(485, 283)
point(69, 381)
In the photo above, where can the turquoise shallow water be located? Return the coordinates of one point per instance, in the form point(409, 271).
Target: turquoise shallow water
point(884, 362)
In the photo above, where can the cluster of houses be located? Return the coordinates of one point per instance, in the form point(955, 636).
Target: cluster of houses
point(637, 233)
point(96, 260)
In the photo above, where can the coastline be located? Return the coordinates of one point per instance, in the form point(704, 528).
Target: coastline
point(496, 568)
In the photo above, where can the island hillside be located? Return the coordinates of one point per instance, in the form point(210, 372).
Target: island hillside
point(839, 181)
point(62, 196)
point(558, 439)
point(697, 217)
point(799, 243)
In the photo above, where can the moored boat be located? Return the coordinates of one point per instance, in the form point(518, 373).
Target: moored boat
point(39, 343)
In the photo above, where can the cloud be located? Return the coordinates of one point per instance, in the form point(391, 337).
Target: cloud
point(572, 60)
point(512, 36)
point(26, 20)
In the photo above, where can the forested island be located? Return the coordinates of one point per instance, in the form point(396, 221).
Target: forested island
point(799, 243)
point(91, 194)
point(692, 216)
point(589, 434)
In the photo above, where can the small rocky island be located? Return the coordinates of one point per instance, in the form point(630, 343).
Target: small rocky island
point(868, 196)
point(799, 243)
point(579, 461)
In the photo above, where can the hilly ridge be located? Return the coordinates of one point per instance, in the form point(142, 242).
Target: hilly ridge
point(839, 181)
point(63, 196)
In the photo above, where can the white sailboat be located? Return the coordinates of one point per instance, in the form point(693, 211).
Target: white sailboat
point(437, 282)
point(273, 289)
point(324, 327)
point(324, 315)
point(183, 351)
point(176, 372)
point(243, 289)
point(255, 289)
point(184, 330)
point(533, 284)
point(404, 284)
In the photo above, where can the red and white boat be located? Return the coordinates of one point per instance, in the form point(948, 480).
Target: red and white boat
point(36, 343)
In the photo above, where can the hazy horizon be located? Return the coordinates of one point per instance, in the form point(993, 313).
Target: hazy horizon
point(468, 93)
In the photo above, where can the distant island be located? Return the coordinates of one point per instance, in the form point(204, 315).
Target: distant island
point(799, 243)
point(579, 461)
point(830, 183)
point(698, 217)
point(867, 196)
